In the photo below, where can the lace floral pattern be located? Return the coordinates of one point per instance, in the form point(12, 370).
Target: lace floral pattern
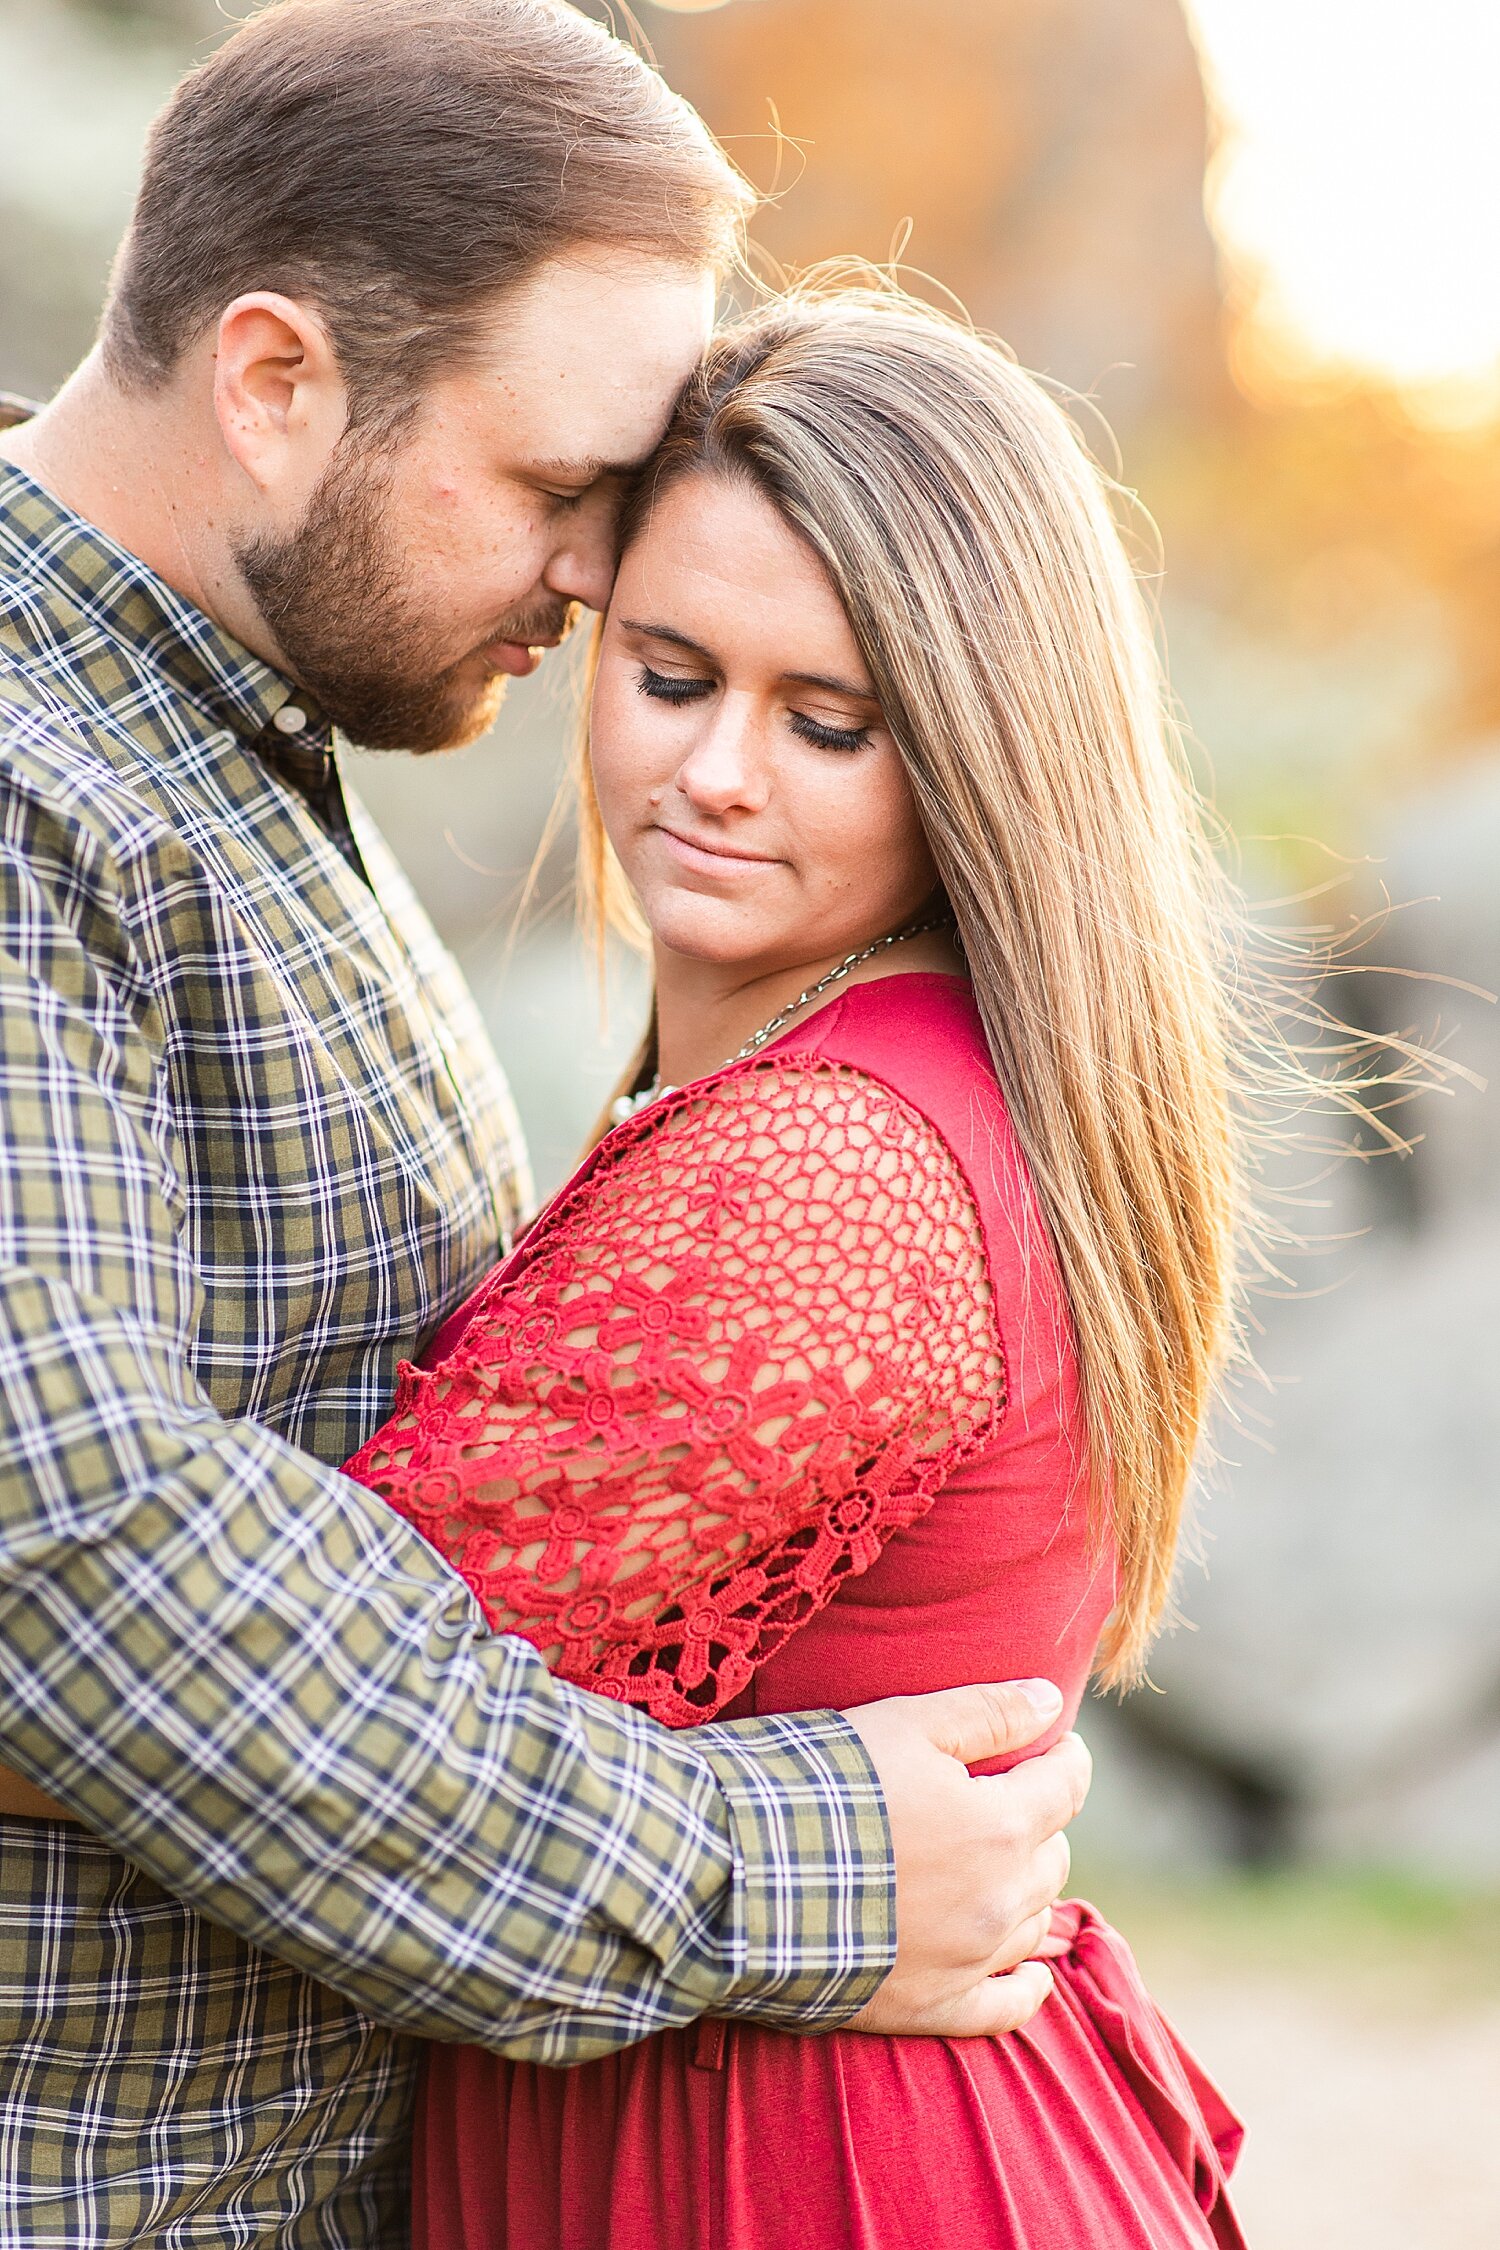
point(751, 1342)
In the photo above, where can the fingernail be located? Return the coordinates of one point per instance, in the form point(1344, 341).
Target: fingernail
point(1044, 1696)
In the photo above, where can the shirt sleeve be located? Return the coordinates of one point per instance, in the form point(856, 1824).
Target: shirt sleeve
point(753, 1344)
point(256, 1681)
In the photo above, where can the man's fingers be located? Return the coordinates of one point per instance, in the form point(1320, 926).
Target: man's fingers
point(1003, 2004)
point(984, 2010)
point(1024, 1943)
point(999, 2004)
point(1043, 1794)
point(1026, 1919)
point(978, 1861)
point(1051, 1864)
point(974, 1723)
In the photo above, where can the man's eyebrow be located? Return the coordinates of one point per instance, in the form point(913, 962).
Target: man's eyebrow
point(827, 680)
point(588, 470)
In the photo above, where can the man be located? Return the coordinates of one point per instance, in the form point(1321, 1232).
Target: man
point(410, 285)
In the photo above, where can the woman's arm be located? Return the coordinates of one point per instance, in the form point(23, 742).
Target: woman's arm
point(749, 1347)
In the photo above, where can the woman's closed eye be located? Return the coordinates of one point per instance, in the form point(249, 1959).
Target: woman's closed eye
point(827, 737)
point(673, 687)
point(691, 687)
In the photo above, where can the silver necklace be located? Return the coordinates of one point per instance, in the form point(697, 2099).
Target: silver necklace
point(629, 1104)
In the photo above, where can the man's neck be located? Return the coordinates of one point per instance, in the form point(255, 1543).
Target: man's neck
point(139, 469)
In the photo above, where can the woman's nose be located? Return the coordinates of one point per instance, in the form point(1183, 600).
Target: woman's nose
point(726, 770)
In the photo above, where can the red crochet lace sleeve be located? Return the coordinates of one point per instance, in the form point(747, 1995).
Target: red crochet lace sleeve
point(750, 1344)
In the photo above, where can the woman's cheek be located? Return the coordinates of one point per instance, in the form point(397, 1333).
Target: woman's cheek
point(863, 829)
point(611, 746)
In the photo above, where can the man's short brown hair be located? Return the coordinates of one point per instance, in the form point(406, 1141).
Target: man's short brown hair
point(399, 163)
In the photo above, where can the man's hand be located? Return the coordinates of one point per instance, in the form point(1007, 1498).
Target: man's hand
point(979, 1862)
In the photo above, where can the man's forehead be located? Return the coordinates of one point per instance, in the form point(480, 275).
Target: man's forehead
point(587, 360)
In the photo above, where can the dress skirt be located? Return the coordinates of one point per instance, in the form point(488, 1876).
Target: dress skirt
point(1092, 2129)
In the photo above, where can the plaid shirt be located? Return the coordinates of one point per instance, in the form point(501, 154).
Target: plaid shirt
point(255, 1150)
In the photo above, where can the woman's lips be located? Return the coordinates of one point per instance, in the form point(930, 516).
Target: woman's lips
point(716, 859)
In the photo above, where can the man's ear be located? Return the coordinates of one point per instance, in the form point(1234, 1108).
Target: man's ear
point(280, 399)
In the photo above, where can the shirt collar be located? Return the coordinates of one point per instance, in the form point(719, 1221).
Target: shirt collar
point(119, 595)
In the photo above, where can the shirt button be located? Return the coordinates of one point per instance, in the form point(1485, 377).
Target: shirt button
point(290, 719)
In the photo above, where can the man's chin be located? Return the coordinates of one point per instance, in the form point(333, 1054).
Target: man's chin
point(441, 722)
point(476, 718)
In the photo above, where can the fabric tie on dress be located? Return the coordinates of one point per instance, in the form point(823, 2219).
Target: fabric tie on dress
point(1199, 2131)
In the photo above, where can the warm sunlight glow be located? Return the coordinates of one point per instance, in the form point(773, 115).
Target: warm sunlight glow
point(1358, 190)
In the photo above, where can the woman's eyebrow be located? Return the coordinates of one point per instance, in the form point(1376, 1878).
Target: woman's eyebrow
point(835, 686)
point(666, 633)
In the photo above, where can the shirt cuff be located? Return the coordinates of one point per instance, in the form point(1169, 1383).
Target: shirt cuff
point(813, 1918)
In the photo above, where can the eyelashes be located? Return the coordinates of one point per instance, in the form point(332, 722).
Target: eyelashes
point(663, 687)
point(827, 738)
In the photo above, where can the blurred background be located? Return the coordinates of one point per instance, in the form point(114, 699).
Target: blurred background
point(1261, 240)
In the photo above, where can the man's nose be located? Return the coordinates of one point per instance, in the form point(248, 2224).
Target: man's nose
point(582, 575)
point(582, 568)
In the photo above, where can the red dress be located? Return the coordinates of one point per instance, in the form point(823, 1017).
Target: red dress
point(775, 1409)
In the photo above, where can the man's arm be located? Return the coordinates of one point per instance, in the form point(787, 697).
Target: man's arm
point(252, 1678)
point(248, 1675)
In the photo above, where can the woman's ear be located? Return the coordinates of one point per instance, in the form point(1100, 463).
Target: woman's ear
point(279, 396)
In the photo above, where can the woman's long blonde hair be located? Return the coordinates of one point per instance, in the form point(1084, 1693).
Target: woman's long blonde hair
point(972, 542)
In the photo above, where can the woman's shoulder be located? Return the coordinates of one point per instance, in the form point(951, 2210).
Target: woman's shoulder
point(832, 1110)
point(895, 1059)
point(891, 1082)
point(939, 1003)
point(920, 1033)
point(916, 1028)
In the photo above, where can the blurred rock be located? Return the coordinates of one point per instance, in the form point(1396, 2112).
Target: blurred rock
point(1345, 1659)
point(1049, 154)
point(80, 88)
point(1437, 1819)
point(1150, 1806)
point(467, 822)
point(1439, 863)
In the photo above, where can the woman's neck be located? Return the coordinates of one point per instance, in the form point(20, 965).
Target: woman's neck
point(707, 1011)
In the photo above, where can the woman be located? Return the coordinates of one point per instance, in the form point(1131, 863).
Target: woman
point(869, 1351)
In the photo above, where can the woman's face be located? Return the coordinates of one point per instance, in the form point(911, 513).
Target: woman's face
point(746, 778)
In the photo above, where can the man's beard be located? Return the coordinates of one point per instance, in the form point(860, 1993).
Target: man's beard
point(335, 595)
